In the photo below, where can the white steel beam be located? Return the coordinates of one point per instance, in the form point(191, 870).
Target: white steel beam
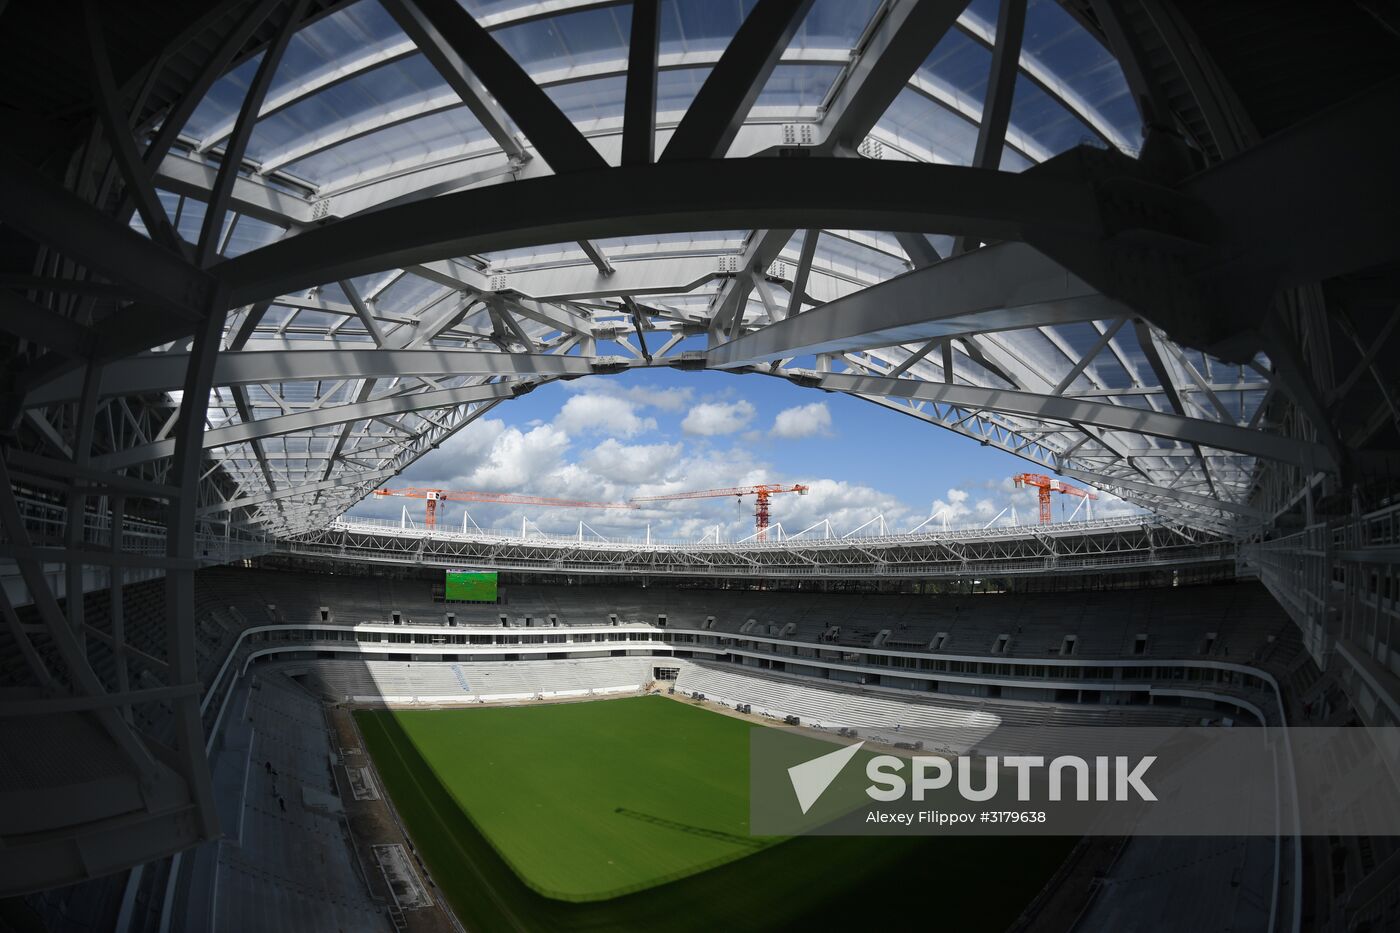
point(1079, 411)
point(1001, 287)
point(162, 372)
point(314, 419)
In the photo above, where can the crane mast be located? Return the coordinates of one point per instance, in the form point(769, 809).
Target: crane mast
point(1044, 485)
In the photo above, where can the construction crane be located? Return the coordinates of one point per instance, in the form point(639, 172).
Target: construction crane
point(760, 506)
point(1045, 485)
point(434, 496)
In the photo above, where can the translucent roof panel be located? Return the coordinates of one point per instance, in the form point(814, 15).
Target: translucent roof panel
point(796, 87)
point(960, 65)
point(677, 87)
point(854, 259)
point(413, 143)
point(790, 89)
point(485, 9)
point(570, 40)
point(701, 241)
point(700, 27)
point(191, 219)
point(223, 101)
point(408, 293)
point(1133, 359)
point(1079, 338)
point(317, 52)
point(1074, 56)
point(1046, 120)
point(1013, 161)
point(928, 131)
point(341, 108)
point(250, 233)
point(599, 99)
point(834, 24)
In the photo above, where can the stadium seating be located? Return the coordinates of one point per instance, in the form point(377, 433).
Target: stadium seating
point(287, 865)
point(1232, 621)
point(944, 722)
point(1246, 624)
point(483, 681)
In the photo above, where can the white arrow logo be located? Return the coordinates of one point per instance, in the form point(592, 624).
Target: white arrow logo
point(811, 778)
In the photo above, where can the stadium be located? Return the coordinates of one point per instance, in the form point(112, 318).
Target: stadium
point(467, 464)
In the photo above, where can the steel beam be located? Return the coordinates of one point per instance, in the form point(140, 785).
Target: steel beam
point(250, 195)
point(1001, 84)
point(44, 326)
point(1003, 287)
point(445, 30)
point(906, 33)
point(36, 207)
point(118, 131)
point(1001, 88)
point(207, 247)
point(725, 99)
point(639, 106)
point(1128, 488)
point(856, 194)
point(316, 418)
point(288, 492)
point(1079, 411)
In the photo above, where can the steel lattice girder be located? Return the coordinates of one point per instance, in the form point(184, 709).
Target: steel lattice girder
point(1112, 544)
point(161, 372)
point(1084, 412)
point(988, 306)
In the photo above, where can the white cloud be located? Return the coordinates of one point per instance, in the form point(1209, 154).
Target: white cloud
point(670, 399)
point(635, 463)
point(846, 505)
point(999, 500)
point(584, 453)
point(711, 418)
point(605, 414)
point(516, 459)
point(663, 399)
point(803, 421)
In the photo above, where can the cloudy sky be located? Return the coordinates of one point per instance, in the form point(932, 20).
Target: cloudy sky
point(656, 432)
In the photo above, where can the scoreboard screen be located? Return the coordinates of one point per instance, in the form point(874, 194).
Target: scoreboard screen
point(470, 586)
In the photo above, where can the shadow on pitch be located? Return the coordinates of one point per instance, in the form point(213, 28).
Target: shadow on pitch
point(747, 842)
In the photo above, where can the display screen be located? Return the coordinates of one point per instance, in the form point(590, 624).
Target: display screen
point(470, 586)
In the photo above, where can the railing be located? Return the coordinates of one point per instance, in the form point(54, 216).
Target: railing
point(46, 524)
point(1339, 582)
point(887, 565)
point(356, 524)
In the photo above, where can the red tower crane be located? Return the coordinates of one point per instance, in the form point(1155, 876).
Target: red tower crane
point(1045, 485)
point(434, 496)
point(760, 506)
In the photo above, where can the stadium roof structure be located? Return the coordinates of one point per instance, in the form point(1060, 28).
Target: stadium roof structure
point(257, 256)
point(359, 226)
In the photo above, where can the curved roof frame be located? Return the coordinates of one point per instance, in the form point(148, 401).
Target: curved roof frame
point(374, 318)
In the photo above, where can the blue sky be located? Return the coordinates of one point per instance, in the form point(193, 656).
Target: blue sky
point(660, 431)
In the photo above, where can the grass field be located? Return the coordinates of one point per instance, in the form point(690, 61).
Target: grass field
point(626, 813)
point(587, 801)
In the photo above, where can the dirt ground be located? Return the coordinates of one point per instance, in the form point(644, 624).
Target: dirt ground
point(372, 823)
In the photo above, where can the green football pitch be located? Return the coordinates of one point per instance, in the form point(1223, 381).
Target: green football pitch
point(625, 813)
